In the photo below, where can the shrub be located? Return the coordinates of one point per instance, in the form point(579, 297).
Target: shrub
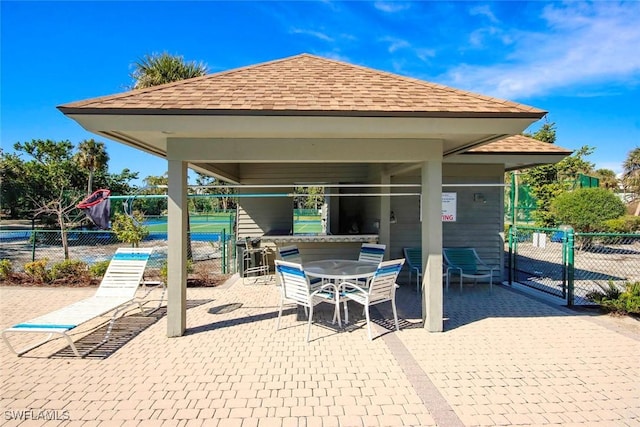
point(69, 269)
point(98, 269)
point(586, 209)
point(165, 267)
point(618, 301)
point(624, 224)
point(6, 268)
point(37, 270)
point(129, 229)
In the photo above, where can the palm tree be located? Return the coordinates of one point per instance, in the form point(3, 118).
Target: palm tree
point(607, 178)
point(631, 175)
point(92, 156)
point(156, 69)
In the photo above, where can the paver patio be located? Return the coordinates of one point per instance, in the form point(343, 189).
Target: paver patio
point(504, 359)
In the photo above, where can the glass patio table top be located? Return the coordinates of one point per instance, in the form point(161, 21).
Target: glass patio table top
point(340, 269)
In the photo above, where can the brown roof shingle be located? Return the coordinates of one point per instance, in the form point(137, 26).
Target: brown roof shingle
point(519, 144)
point(307, 84)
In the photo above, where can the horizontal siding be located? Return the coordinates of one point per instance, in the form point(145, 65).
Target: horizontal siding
point(260, 215)
point(288, 173)
point(478, 225)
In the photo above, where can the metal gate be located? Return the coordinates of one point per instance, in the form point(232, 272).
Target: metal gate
point(570, 265)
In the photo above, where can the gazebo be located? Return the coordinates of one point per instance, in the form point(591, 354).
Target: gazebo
point(307, 119)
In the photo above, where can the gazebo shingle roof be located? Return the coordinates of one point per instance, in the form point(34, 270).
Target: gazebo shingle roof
point(519, 144)
point(307, 84)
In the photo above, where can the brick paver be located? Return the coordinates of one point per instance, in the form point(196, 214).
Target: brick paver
point(504, 359)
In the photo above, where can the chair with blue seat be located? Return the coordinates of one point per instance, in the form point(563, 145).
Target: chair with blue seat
point(381, 288)
point(297, 289)
point(372, 252)
point(290, 253)
point(466, 263)
point(413, 257)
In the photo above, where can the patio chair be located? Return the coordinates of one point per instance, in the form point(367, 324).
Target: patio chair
point(117, 291)
point(466, 263)
point(382, 288)
point(413, 257)
point(290, 254)
point(372, 252)
point(297, 289)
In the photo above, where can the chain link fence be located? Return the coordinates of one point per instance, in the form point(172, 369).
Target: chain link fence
point(538, 259)
point(601, 259)
point(211, 253)
point(571, 265)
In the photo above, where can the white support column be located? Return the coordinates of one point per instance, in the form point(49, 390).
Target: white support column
point(177, 249)
point(432, 303)
point(384, 233)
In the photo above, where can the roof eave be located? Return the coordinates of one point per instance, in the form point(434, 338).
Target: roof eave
point(536, 114)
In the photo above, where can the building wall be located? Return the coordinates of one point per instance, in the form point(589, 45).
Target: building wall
point(479, 224)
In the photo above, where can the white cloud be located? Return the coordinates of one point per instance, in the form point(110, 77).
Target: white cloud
point(424, 54)
point(581, 43)
point(316, 34)
point(395, 43)
point(391, 6)
point(484, 10)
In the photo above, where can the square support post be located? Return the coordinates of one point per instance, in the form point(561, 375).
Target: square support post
point(384, 233)
point(177, 249)
point(431, 216)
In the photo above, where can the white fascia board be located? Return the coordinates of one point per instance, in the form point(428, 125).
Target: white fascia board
point(299, 127)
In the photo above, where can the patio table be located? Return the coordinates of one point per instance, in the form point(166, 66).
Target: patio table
point(338, 270)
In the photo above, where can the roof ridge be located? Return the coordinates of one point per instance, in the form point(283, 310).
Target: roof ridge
point(228, 90)
point(424, 82)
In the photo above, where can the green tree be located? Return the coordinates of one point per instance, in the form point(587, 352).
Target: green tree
point(157, 69)
point(52, 181)
point(631, 176)
point(13, 186)
point(92, 156)
point(130, 228)
point(549, 181)
point(546, 133)
point(225, 196)
point(607, 178)
point(586, 209)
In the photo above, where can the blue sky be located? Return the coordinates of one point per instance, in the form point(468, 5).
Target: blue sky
point(578, 60)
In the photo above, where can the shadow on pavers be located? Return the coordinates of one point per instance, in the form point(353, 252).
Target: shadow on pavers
point(124, 330)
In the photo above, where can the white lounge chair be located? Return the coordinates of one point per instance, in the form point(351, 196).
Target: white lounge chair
point(117, 291)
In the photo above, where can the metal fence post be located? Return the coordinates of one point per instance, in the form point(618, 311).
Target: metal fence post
point(510, 260)
point(223, 246)
point(565, 261)
point(570, 266)
point(34, 237)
